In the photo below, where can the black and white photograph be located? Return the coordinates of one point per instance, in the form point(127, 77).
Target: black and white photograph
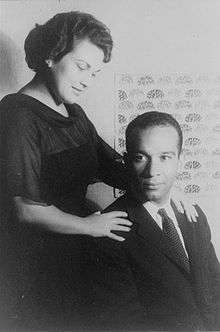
point(109, 165)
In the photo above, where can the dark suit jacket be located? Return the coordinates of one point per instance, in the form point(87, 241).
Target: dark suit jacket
point(137, 284)
point(131, 285)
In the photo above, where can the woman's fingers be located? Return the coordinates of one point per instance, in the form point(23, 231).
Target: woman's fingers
point(184, 206)
point(116, 237)
point(119, 221)
point(118, 217)
point(99, 225)
point(120, 228)
point(190, 211)
point(178, 205)
point(116, 214)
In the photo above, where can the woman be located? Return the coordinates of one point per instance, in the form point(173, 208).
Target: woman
point(50, 153)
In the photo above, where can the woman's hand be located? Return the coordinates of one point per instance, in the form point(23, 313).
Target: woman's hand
point(184, 206)
point(98, 224)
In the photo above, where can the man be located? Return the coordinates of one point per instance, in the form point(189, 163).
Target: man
point(165, 275)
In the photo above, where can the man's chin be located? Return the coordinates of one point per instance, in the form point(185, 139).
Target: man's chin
point(149, 196)
point(141, 196)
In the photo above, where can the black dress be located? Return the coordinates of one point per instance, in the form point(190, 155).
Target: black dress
point(48, 159)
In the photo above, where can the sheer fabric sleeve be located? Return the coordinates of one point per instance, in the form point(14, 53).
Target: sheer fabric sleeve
point(21, 155)
point(111, 169)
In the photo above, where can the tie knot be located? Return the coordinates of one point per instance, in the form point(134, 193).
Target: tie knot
point(166, 220)
point(162, 212)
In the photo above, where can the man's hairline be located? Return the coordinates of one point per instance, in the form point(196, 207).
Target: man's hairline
point(139, 129)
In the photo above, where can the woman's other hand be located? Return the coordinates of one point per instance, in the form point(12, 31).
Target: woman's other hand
point(99, 225)
point(183, 205)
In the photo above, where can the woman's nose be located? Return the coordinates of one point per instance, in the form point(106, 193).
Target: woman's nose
point(87, 80)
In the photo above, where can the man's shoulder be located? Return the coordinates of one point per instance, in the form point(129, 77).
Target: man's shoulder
point(199, 211)
point(201, 224)
point(119, 204)
point(202, 221)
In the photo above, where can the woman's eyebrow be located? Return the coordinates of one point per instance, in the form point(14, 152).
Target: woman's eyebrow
point(87, 64)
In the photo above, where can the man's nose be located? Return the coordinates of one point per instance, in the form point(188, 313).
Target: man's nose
point(151, 169)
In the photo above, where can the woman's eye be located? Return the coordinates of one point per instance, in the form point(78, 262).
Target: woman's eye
point(81, 67)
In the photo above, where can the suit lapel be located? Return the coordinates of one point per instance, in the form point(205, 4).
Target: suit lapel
point(144, 242)
point(148, 250)
point(147, 228)
point(196, 244)
point(189, 236)
point(152, 234)
point(187, 230)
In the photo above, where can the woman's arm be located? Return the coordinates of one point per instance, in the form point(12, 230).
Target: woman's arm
point(55, 220)
point(111, 167)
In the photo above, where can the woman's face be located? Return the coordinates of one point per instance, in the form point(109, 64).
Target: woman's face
point(75, 72)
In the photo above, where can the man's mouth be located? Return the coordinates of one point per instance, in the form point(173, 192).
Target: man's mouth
point(151, 185)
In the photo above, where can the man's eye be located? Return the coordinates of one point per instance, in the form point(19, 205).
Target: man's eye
point(139, 158)
point(165, 157)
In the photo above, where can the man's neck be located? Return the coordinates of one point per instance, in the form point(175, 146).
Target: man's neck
point(160, 204)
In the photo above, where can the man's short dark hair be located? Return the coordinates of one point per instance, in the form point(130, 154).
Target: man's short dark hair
point(57, 37)
point(149, 120)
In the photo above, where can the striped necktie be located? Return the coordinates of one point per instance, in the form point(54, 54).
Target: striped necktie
point(170, 232)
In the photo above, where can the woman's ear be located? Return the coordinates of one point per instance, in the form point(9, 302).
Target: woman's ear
point(49, 63)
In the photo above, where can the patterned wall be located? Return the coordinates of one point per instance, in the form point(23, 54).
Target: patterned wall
point(194, 100)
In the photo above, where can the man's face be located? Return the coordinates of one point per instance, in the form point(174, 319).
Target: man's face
point(153, 163)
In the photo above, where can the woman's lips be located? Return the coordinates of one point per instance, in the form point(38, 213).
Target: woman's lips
point(78, 90)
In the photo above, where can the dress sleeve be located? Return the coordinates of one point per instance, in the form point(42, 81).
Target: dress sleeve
point(21, 155)
point(111, 167)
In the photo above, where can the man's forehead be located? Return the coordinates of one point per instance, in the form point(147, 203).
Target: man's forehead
point(157, 130)
point(154, 135)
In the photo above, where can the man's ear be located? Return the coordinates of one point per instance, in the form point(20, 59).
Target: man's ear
point(125, 158)
point(180, 161)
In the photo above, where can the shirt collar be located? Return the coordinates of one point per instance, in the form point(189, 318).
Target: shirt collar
point(153, 209)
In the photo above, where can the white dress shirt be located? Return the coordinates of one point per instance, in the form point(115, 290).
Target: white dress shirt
point(153, 210)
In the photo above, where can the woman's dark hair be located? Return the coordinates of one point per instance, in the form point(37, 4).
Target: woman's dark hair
point(149, 120)
point(56, 38)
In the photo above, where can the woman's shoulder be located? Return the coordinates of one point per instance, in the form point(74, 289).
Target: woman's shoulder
point(15, 110)
point(8, 100)
point(75, 110)
point(15, 101)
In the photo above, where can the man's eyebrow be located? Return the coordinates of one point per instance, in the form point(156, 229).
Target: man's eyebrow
point(169, 152)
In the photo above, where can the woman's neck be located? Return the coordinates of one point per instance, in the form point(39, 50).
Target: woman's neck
point(37, 89)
